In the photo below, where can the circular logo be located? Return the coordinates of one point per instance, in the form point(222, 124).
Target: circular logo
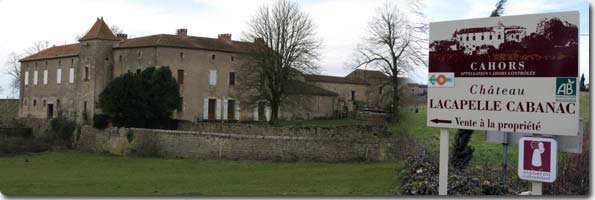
point(441, 79)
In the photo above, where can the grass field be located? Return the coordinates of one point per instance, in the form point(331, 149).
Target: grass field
point(9, 107)
point(77, 173)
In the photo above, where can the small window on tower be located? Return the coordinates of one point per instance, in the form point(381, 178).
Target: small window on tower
point(86, 77)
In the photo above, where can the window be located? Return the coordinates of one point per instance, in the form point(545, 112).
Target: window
point(213, 77)
point(84, 107)
point(26, 77)
point(45, 76)
point(120, 58)
point(213, 57)
point(380, 90)
point(467, 38)
point(461, 38)
point(232, 78)
point(59, 62)
point(140, 55)
point(481, 37)
point(35, 76)
point(182, 56)
point(232, 58)
point(71, 75)
point(517, 37)
point(499, 37)
point(34, 102)
point(490, 37)
point(138, 71)
point(86, 76)
point(473, 38)
point(352, 95)
point(44, 102)
point(59, 75)
point(180, 76)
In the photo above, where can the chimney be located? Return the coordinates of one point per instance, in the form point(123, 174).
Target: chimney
point(225, 36)
point(122, 36)
point(182, 32)
point(258, 41)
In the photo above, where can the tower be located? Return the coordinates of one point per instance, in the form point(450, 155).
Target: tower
point(95, 68)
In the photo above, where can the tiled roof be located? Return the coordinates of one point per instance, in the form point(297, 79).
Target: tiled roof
point(373, 74)
point(100, 31)
point(333, 79)
point(475, 30)
point(295, 87)
point(191, 42)
point(55, 52)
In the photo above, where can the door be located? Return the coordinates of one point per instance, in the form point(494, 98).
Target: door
point(50, 111)
point(231, 110)
point(261, 116)
point(212, 106)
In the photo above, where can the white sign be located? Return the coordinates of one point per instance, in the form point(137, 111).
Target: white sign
point(508, 74)
point(537, 159)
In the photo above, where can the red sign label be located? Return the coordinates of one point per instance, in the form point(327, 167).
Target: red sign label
point(537, 155)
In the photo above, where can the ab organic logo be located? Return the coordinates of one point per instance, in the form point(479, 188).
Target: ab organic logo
point(566, 86)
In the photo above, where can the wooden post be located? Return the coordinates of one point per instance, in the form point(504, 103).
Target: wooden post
point(443, 170)
point(536, 188)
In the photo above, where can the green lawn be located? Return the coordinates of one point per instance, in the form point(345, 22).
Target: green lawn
point(76, 173)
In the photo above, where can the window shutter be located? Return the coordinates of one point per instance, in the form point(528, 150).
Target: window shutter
point(35, 77)
point(205, 109)
point(213, 77)
point(225, 108)
point(218, 109)
point(59, 75)
point(45, 76)
point(237, 111)
point(26, 78)
point(267, 113)
point(71, 76)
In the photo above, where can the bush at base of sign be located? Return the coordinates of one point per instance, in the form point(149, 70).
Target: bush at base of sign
point(419, 177)
point(573, 172)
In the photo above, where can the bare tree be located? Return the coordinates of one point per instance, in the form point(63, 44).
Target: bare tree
point(37, 47)
point(12, 66)
point(396, 45)
point(499, 9)
point(285, 46)
point(13, 69)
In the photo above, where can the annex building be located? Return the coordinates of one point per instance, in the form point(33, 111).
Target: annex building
point(66, 80)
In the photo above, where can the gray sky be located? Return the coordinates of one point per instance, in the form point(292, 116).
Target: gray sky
point(341, 23)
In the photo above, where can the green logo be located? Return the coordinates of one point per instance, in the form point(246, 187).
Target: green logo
point(566, 86)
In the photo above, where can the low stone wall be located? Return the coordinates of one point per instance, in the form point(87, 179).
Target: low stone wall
point(23, 127)
point(206, 145)
point(346, 132)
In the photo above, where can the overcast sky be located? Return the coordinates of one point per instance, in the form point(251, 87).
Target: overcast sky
point(341, 23)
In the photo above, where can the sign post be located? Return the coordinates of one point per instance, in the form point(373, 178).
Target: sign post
point(537, 161)
point(443, 170)
point(508, 74)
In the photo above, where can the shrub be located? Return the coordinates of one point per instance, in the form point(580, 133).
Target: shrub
point(62, 129)
point(100, 121)
point(143, 100)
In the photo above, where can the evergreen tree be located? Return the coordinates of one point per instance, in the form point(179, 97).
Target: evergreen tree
point(144, 100)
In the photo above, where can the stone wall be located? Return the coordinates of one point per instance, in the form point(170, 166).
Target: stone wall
point(208, 145)
point(349, 131)
point(23, 127)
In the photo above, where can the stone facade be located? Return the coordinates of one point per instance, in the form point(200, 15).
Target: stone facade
point(67, 80)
